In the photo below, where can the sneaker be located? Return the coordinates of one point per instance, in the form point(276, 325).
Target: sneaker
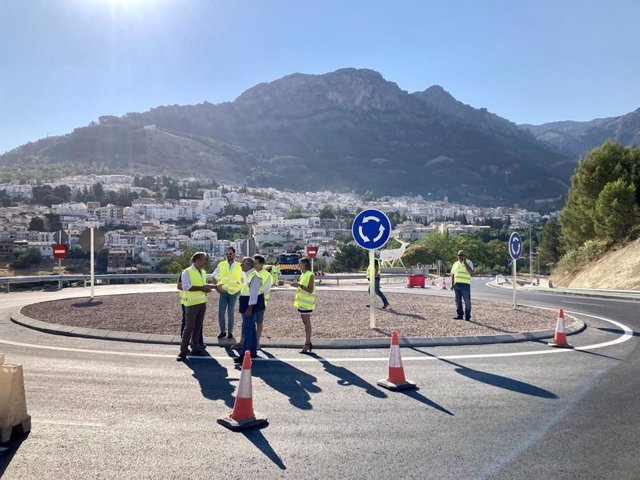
point(457, 318)
point(238, 359)
point(198, 353)
point(384, 307)
point(230, 336)
point(181, 357)
point(222, 334)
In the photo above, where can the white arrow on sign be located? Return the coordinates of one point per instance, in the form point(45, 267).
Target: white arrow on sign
point(362, 235)
point(366, 219)
point(516, 248)
point(382, 229)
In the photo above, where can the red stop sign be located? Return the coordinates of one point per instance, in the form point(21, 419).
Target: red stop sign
point(60, 250)
point(312, 252)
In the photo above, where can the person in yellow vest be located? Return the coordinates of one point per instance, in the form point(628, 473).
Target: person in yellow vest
point(461, 284)
point(305, 300)
point(275, 273)
point(265, 289)
point(376, 273)
point(251, 302)
point(228, 281)
point(195, 289)
point(184, 310)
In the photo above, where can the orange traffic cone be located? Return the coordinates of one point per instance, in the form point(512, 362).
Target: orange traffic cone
point(396, 379)
point(560, 337)
point(243, 415)
point(444, 283)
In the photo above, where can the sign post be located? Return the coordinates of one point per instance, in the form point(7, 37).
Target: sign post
point(371, 229)
point(312, 252)
point(515, 250)
point(60, 251)
point(89, 241)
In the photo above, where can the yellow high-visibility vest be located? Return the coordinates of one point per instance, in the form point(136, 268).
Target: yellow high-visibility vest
point(460, 272)
point(305, 300)
point(264, 275)
point(231, 281)
point(198, 279)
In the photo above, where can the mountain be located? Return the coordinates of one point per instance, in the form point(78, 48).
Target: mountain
point(574, 139)
point(346, 130)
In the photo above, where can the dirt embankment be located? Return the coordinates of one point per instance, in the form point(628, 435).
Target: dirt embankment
point(619, 269)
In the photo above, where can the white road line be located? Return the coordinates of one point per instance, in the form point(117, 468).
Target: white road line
point(46, 421)
point(627, 335)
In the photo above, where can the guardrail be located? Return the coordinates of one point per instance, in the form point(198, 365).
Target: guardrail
point(107, 279)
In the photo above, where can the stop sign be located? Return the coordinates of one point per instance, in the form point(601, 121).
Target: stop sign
point(312, 252)
point(60, 250)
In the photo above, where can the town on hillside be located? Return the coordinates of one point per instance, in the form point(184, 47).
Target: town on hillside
point(149, 221)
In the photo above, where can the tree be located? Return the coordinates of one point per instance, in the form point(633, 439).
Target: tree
point(327, 212)
point(616, 211)
point(28, 258)
point(550, 246)
point(349, 258)
point(36, 224)
point(598, 168)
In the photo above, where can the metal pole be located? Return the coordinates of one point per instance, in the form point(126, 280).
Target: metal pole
point(513, 266)
point(92, 267)
point(530, 256)
point(372, 287)
point(60, 262)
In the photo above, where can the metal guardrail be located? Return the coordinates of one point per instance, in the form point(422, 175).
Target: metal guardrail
point(102, 279)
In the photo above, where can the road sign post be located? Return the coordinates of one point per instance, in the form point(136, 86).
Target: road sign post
point(312, 252)
point(370, 230)
point(60, 251)
point(515, 250)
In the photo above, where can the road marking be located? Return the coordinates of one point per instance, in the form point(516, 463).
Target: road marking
point(626, 335)
point(71, 423)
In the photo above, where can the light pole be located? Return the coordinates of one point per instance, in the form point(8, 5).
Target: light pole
point(530, 256)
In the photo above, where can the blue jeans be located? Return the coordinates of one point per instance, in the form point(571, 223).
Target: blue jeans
point(378, 291)
point(463, 291)
point(249, 336)
point(226, 302)
point(184, 321)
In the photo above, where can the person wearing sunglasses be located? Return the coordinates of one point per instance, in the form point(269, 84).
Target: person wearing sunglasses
point(461, 284)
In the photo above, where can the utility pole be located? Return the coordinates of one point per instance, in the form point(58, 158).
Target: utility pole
point(530, 256)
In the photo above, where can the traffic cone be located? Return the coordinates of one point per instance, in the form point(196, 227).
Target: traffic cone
point(560, 337)
point(396, 379)
point(444, 283)
point(243, 415)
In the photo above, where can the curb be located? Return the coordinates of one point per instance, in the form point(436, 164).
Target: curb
point(621, 295)
point(338, 343)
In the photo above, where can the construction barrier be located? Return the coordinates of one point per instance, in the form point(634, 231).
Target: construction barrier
point(444, 283)
point(13, 403)
point(243, 415)
point(415, 281)
point(560, 336)
point(396, 379)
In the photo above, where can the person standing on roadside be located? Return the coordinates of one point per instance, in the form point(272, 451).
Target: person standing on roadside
point(305, 300)
point(183, 322)
point(228, 281)
point(251, 302)
point(376, 268)
point(275, 273)
point(195, 289)
point(265, 288)
point(461, 284)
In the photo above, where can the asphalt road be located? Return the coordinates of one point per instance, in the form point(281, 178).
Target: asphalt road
point(119, 410)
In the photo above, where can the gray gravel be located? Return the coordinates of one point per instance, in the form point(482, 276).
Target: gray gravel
point(339, 314)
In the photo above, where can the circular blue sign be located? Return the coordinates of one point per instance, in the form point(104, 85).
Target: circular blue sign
point(371, 229)
point(515, 245)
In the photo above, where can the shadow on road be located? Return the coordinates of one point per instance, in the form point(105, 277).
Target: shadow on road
point(402, 314)
point(288, 380)
point(256, 437)
point(617, 331)
point(213, 379)
point(347, 378)
point(495, 380)
point(490, 327)
point(422, 399)
point(8, 450)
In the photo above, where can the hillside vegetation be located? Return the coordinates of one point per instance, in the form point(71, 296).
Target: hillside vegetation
point(619, 269)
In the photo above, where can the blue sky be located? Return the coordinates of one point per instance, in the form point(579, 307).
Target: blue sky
point(63, 63)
